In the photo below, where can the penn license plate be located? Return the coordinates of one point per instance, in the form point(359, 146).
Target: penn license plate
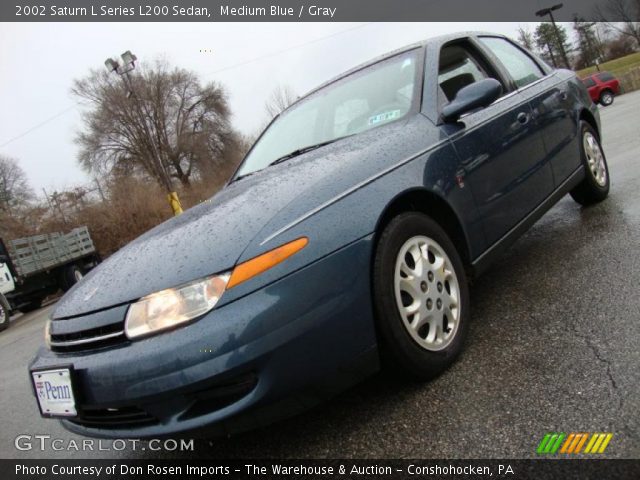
point(55, 392)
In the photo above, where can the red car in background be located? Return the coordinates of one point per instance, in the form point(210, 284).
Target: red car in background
point(603, 87)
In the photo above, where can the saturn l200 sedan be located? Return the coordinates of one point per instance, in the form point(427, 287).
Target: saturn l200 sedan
point(345, 240)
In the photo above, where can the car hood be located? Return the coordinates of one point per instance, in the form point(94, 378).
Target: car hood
point(211, 237)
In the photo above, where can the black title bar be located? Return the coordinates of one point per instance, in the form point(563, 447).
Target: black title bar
point(561, 468)
point(305, 11)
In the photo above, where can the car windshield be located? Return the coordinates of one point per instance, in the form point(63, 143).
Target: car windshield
point(366, 99)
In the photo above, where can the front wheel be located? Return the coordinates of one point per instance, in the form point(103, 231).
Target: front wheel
point(595, 186)
point(421, 295)
point(4, 313)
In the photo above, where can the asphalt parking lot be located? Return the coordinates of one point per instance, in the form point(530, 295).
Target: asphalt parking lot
point(554, 346)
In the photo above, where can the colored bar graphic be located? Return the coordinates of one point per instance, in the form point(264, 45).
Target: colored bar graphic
point(582, 442)
point(543, 444)
point(593, 439)
point(568, 443)
point(572, 443)
point(550, 443)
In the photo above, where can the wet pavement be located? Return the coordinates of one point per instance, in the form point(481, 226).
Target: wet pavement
point(554, 346)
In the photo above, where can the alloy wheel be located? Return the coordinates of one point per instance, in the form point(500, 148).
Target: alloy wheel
point(427, 293)
point(595, 159)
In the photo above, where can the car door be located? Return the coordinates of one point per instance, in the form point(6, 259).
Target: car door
point(501, 152)
point(550, 100)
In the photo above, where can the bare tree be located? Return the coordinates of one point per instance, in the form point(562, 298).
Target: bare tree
point(525, 38)
point(281, 97)
point(14, 188)
point(163, 122)
point(622, 16)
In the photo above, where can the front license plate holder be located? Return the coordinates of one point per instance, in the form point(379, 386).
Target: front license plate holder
point(54, 391)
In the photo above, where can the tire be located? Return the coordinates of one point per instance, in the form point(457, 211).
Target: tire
point(4, 313)
point(34, 304)
point(71, 275)
point(404, 338)
point(606, 98)
point(595, 186)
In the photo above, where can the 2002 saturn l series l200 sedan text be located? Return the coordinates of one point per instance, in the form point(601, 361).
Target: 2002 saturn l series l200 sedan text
point(347, 234)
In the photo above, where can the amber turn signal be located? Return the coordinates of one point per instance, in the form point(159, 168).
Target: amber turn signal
point(264, 262)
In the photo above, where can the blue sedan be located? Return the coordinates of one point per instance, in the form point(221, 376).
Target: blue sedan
point(345, 240)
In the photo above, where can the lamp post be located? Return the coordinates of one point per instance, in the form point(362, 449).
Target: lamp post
point(123, 69)
point(549, 11)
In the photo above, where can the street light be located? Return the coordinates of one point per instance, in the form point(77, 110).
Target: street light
point(128, 63)
point(549, 11)
point(123, 69)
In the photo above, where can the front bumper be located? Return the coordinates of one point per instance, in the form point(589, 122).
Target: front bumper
point(270, 354)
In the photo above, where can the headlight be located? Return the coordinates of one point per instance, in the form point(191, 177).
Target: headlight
point(174, 306)
point(47, 334)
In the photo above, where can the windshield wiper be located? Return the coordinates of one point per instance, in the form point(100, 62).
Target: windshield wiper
point(293, 154)
point(240, 177)
point(302, 150)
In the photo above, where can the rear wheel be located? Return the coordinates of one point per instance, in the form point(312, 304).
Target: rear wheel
point(4, 313)
point(595, 186)
point(70, 276)
point(606, 98)
point(421, 295)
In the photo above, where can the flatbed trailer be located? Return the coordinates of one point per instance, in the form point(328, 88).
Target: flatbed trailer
point(31, 268)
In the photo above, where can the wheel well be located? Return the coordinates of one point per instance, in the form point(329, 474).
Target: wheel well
point(587, 116)
point(430, 204)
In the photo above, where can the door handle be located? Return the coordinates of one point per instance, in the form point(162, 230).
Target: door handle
point(523, 118)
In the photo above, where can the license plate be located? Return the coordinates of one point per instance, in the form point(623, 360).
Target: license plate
point(54, 392)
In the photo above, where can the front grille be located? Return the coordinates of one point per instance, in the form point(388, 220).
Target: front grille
point(100, 337)
point(114, 417)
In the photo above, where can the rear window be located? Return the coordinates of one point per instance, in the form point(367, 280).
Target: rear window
point(606, 77)
point(589, 82)
point(522, 68)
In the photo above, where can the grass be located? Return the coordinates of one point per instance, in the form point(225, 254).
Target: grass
point(618, 66)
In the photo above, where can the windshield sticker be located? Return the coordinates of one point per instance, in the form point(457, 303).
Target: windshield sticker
point(384, 117)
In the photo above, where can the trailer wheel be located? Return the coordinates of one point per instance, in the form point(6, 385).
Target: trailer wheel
point(70, 276)
point(4, 313)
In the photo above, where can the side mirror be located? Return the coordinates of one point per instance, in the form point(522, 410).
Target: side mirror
point(3, 259)
point(477, 95)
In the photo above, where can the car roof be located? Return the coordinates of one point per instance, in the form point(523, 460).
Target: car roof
point(438, 40)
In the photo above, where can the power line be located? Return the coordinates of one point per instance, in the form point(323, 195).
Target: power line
point(279, 52)
point(230, 67)
point(35, 127)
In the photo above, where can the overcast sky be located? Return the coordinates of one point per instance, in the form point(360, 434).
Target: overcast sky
point(40, 60)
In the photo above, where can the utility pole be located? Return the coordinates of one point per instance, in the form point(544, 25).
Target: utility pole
point(553, 57)
point(549, 11)
point(128, 64)
point(54, 204)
